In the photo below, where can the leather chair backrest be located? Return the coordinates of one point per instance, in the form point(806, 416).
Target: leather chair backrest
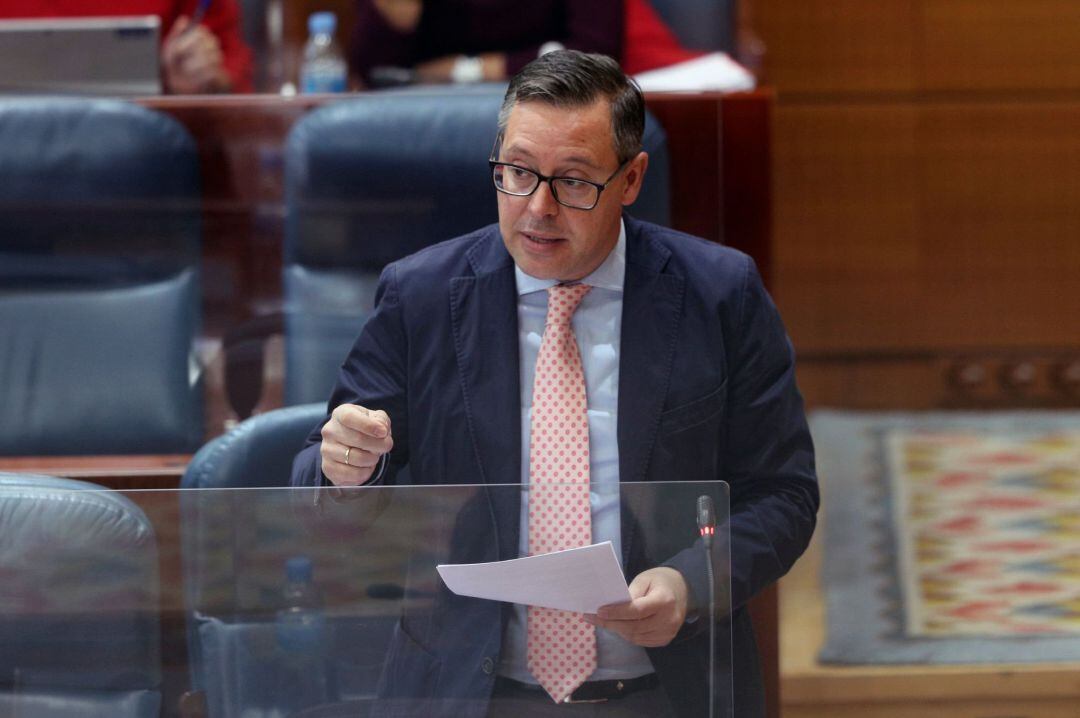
point(79, 632)
point(99, 290)
point(255, 453)
point(701, 24)
point(373, 179)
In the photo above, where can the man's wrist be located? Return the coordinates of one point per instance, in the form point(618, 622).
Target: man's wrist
point(401, 15)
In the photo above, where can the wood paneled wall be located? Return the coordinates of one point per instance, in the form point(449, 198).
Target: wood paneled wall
point(927, 196)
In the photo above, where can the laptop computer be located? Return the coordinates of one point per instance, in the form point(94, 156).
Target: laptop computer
point(85, 56)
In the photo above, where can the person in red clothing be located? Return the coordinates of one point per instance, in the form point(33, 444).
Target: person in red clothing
point(207, 58)
point(648, 43)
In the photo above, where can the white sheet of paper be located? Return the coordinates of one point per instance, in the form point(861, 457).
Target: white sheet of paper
point(578, 579)
point(715, 71)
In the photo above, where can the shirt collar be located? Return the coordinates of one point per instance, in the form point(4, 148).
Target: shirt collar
point(609, 275)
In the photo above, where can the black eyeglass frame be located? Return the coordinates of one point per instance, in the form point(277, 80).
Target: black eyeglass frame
point(540, 179)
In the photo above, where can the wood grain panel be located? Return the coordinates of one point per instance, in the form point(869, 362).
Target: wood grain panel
point(1000, 44)
point(846, 221)
point(990, 379)
point(145, 471)
point(839, 45)
point(848, 179)
point(1003, 177)
point(871, 384)
point(912, 225)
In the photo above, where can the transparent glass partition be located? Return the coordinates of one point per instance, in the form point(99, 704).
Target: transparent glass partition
point(282, 602)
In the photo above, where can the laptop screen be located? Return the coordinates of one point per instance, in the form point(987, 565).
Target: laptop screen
point(85, 56)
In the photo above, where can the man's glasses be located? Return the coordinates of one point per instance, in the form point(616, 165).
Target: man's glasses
point(567, 191)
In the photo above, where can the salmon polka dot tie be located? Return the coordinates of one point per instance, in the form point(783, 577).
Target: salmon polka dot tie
point(561, 645)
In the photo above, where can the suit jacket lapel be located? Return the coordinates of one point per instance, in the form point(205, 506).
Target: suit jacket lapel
point(652, 309)
point(483, 309)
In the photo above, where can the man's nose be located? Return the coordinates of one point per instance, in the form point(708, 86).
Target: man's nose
point(542, 203)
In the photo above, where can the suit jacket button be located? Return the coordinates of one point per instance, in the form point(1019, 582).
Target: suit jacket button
point(488, 666)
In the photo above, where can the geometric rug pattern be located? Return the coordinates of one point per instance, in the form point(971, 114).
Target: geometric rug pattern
point(991, 539)
point(950, 537)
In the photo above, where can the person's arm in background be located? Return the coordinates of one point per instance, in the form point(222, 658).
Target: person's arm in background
point(749, 47)
point(384, 34)
point(210, 57)
point(594, 26)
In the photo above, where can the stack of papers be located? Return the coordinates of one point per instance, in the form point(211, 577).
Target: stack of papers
point(716, 71)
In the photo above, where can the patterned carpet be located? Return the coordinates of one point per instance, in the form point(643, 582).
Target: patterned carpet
point(951, 538)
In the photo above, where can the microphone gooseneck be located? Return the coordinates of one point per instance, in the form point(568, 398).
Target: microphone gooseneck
point(706, 521)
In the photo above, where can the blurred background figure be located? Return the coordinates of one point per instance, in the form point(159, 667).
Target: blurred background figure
point(439, 41)
point(475, 40)
point(201, 50)
point(648, 42)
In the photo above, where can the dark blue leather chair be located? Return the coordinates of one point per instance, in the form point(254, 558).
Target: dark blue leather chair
point(256, 453)
point(79, 631)
point(99, 290)
point(373, 179)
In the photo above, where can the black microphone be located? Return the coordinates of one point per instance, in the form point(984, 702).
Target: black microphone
point(706, 519)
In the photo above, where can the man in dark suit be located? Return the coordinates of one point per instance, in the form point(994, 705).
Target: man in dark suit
point(688, 376)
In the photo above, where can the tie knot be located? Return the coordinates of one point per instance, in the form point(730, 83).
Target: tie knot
point(563, 299)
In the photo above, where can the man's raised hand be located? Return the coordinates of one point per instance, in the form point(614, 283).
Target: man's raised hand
point(353, 442)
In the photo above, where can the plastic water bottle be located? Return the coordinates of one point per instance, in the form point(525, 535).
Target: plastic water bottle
point(302, 638)
point(323, 69)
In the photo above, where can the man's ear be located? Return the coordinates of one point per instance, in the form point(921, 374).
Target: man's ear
point(635, 176)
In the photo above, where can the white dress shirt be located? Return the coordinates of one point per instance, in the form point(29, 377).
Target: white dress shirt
point(597, 325)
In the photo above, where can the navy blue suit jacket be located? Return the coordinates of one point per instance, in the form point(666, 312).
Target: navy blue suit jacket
point(706, 392)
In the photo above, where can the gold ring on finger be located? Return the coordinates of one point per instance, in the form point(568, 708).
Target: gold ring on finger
point(348, 449)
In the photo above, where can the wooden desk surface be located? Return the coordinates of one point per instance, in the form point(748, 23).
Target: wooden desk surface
point(814, 690)
point(142, 471)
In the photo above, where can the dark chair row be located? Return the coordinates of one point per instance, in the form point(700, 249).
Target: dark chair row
point(100, 241)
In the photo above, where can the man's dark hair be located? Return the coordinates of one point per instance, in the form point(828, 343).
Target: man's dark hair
point(572, 79)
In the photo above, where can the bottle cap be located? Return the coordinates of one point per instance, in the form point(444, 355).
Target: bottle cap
point(298, 569)
point(322, 22)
